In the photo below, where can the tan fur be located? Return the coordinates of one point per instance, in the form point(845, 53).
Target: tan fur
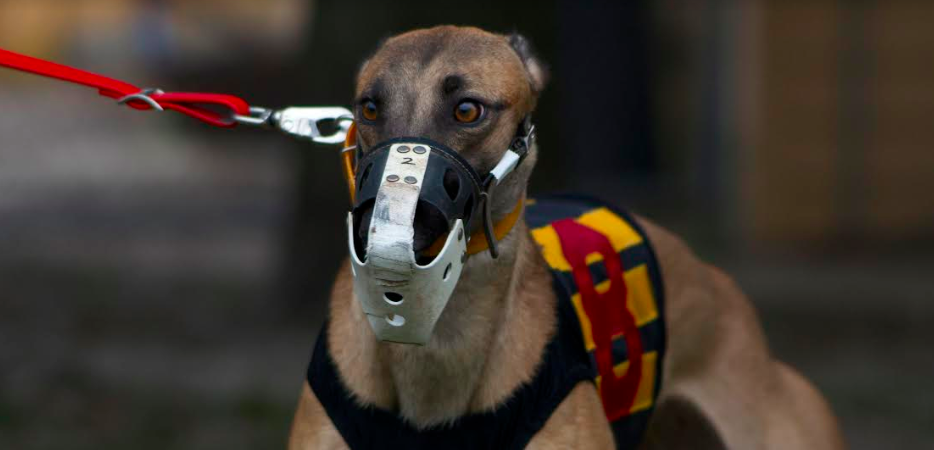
point(718, 360)
point(411, 91)
point(491, 336)
point(579, 423)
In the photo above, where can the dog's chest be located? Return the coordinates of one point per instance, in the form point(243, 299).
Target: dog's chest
point(610, 331)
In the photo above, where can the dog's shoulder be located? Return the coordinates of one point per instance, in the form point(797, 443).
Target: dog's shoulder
point(720, 377)
point(311, 426)
point(704, 305)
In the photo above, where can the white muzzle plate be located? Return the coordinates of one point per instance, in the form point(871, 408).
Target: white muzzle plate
point(402, 299)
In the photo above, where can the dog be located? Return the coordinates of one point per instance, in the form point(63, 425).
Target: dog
point(720, 386)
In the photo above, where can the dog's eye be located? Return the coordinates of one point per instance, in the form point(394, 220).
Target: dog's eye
point(468, 111)
point(369, 110)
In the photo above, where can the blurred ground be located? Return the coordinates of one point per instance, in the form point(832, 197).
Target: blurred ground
point(143, 312)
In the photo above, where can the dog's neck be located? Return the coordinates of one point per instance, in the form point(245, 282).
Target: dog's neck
point(488, 341)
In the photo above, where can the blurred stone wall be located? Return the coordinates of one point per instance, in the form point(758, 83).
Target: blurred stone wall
point(842, 147)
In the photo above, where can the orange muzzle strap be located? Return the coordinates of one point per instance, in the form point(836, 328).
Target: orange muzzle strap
point(478, 242)
point(347, 160)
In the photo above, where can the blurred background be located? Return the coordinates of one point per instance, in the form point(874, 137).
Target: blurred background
point(162, 282)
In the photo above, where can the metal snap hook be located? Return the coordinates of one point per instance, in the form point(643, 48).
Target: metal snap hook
point(306, 123)
point(143, 96)
point(258, 116)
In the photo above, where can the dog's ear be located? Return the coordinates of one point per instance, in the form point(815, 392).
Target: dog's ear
point(538, 73)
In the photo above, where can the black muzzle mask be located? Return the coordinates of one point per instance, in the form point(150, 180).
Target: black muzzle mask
point(403, 285)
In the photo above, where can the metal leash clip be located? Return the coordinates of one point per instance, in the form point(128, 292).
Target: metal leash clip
point(304, 122)
point(143, 96)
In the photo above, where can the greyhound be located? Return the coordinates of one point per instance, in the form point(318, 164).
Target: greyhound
point(721, 388)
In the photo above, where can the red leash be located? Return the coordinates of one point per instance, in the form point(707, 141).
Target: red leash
point(193, 104)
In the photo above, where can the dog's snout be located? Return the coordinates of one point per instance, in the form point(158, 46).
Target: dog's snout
point(362, 216)
point(429, 225)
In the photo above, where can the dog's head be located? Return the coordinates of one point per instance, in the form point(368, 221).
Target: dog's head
point(463, 87)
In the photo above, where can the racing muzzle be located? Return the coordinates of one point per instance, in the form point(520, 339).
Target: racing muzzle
point(399, 184)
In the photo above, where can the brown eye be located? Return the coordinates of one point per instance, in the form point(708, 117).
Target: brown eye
point(468, 111)
point(369, 110)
